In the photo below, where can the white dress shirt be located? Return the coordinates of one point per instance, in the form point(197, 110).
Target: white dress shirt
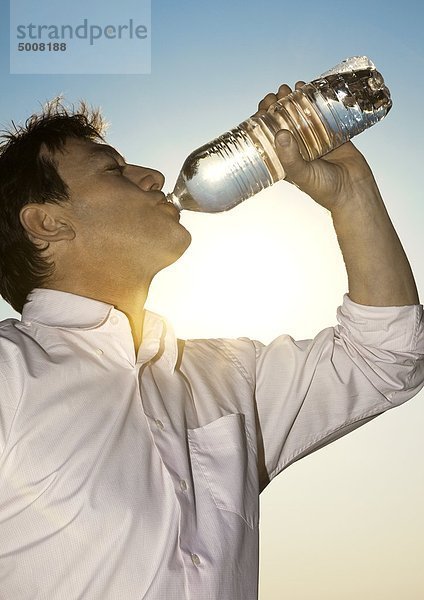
point(128, 477)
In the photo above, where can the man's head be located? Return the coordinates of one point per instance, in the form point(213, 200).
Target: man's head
point(71, 207)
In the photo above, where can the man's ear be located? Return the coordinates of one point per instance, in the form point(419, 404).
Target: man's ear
point(41, 222)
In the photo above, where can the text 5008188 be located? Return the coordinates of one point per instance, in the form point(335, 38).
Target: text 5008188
point(42, 47)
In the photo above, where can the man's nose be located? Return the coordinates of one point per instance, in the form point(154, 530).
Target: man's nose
point(150, 179)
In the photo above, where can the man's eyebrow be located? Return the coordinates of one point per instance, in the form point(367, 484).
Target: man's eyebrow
point(106, 151)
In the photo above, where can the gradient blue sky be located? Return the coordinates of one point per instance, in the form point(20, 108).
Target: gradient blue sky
point(346, 522)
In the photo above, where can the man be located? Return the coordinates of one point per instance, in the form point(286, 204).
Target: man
point(131, 462)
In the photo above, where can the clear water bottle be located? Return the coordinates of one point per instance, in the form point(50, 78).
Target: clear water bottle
point(322, 115)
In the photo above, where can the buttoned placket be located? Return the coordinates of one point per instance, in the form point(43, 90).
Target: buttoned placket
point(167, 427)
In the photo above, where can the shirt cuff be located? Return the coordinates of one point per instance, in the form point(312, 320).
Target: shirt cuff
point(395, 328)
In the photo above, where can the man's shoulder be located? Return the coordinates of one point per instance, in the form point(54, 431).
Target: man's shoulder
point(10, 342)
point(220, 345)
point(8, 327)
point(11, 358)
point(225, 354)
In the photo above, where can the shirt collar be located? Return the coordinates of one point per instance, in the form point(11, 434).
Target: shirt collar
point(54, 308)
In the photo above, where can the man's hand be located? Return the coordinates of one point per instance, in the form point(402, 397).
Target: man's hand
point(329, 180)
point(378, 270)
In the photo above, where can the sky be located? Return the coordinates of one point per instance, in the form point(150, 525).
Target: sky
point(347, 521)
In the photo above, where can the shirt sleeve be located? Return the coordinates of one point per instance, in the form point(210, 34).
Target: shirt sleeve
point(312, 392)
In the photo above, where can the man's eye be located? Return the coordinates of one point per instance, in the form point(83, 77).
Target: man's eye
point(115, 168)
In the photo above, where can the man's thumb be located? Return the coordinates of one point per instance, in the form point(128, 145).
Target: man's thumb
point(288, 152)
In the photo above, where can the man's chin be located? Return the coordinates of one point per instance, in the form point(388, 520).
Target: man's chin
point(173, 255)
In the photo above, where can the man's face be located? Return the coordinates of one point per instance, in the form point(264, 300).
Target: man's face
point(120, 216)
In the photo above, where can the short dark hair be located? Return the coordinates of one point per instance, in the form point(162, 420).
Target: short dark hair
point(29, 176)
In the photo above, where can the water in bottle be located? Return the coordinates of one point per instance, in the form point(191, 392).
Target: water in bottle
point(322, 115)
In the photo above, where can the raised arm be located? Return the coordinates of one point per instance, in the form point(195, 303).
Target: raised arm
point(378, 270)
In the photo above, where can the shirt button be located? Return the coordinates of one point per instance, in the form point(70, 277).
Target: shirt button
point(99, 352)
point(114, 320)
point(183, 485)
point(195, 559)
point(159, 424)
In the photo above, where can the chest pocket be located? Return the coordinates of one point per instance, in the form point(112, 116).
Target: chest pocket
point(224, 454)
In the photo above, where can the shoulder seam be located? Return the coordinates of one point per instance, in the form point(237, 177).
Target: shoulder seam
point(235, 360)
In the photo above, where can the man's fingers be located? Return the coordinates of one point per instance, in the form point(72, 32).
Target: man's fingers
point(266, 102)
point(283, 90)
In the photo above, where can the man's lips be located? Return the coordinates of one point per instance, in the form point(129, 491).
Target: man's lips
point(163, 200)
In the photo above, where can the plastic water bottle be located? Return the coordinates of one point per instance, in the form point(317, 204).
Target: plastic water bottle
point(322, 115)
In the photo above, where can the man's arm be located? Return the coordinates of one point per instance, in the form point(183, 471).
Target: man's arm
point(378, 270)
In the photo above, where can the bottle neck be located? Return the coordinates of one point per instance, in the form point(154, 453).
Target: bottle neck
point(173, 198)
